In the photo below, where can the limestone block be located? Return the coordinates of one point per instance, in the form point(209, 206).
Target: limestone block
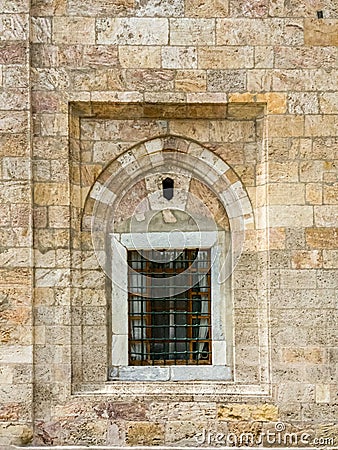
point(51, 194)
point(248, 8)
point(14, 192)
point(150, 80)
point(326, 238)
point(50, 79)
point(307, 355)
point(226, 80)
point(314, 194)
point(194, 129)
point(207, 97)
point(286, 194)
point(15, 168)
point(302, 278)
point(306, 259)
point(58, 216)
point(303, 103)
point(241, 411)
point(132, 31)
point(252, 32)
point(13, 121)
point(146, 57)
point(321, 32)
point(192, 31)
point(326, 216)
point(145, 433)
point(190, 80)
point(73, 30)
point(100, 7)
point(100, 55)
point(328, 103)
point(291, 216)
point(225, 57)
point(319, 125)
point(287, 125)
point(13, 99)
point(13, 27)
point(305, 57)
point(264, 57)
point(13, 6)
point(330, 259)
point(179, 57)
point(206, 8)
point(232, 131)
point(41, 29)
point(12, 52)
point(164, 8)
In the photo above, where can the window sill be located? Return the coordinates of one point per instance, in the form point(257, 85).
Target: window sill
point(170, 373)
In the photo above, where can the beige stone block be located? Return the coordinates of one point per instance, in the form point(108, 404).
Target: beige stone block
point(323, 393)
point(232, 131)
point(241, 411)
point(194, 129)
point(318, 125)
point(275, 101)
point(248, 8)
point(145, 433)
point(73, 30)
point(330, 259)
point(326, 238)
point(207, 97)
point(293, 216)
point(305, 57)
point(326, 216)
point(286, 194)
point(321, 32)
point(51, 194)
point(13, 99)
point(306, 259)
point(302, 278)
point(100, 8)
point(314, 194)
point(190, 80)
point(133, 57)
point(303, 103)
point(179, 57)
point(192, 31)
point(331, 194)
point(59, 216)
point(13, 121)
point(41, 30)
point(264, 57)
point(283, 172)
point(304, 355)
point(15, 168)
point(287, 125)
point(328, 103)
point(311, 171)
point(132, 31)
point(225, 57)
point(54, 125)
point(266, 32)
point(13, 27)
point(206, 8)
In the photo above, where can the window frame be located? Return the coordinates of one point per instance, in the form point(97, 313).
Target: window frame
point(220, 369)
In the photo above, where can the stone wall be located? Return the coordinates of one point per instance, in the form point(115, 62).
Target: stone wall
point(81, 82)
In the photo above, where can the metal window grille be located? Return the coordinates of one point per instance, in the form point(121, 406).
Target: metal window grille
point(169, 323)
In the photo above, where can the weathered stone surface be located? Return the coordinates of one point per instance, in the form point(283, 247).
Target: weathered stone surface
point(225, 57)
point(240, 411)
point(192, 32)
point(206, 8)
point(142, 31)
point(321, 32)
point(145, 433)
